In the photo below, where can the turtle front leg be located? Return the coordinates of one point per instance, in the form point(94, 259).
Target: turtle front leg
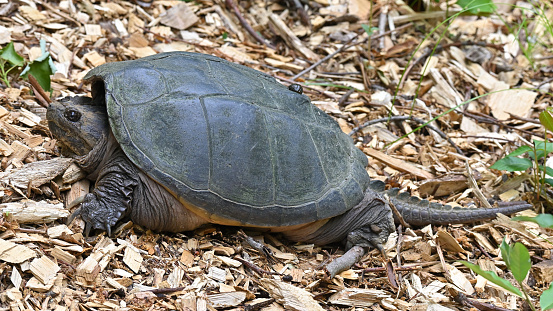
point(112, 195)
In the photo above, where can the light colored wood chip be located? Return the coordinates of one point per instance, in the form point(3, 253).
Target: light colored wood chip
point(72, 174)
point(94, 58)
point(5, 148)
point(358, 297)
point(226, 300)
point(113, 283)
point(15, 278)
point(175, 277)
point(516, 101)
point(44, 269)
point(229, 261)
point(448, 242)
point(62, 255)
point(187, 258)
point(34, 212)
point(398, 164)
point(38, 286)
point(88, 269)
point(132, 259)
point(459, 279)
point(93, 30)
point(14, 253)
point(217, 274)
point(290, 296)
point(37, 173)
point(180, 17)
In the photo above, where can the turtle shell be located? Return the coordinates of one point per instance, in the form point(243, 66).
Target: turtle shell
point(233, 144)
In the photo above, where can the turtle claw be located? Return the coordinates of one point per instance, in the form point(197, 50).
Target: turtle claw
point(74, 215)
point(95, 213)
point(87, 228)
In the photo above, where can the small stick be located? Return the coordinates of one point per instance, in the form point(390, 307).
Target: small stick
point(232, 6)
point(42, 97)
point(257, 246)
point(166, 290)
point(403, 118)
point(255, 268)
point(345, 261)
point(343, 47)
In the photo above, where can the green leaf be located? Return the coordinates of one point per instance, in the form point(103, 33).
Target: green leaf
point(368, 29)
point(41, 70)
point(543, 220)
point(520, 150)
point(8, 53)
point(506, 253)
point(477, 6)
point(493, 277)
point(548, 181)
point(546, 119)
point(512, 164)
point(546, 299)
point(541, 145)
point(548, 170)
point(520, 261)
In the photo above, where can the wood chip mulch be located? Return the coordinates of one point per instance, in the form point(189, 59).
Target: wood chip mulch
point(47, 265)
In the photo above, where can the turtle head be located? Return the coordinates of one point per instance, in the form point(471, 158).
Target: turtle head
point(78, 123)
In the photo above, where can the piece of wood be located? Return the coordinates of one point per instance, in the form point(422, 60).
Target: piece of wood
point(288, 35)
point(132, 259)
point(179, 16)
point(37, 286)
point(62, 255)
point(398, 164)
point(506, 101)
point(226, 300)
point(290, 296)
point(34, 212)
point(87, 270)
point(35, 174)
point(358, 297)
point(443, 186)
point(44, 269)
point(72, 174)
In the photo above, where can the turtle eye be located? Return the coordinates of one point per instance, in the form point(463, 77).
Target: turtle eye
point(72, 115)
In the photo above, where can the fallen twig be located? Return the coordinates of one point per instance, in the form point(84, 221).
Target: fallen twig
point(411, 118)
point(345, 261)
point(232, 6)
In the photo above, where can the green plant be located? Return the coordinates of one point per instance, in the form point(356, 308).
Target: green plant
point(41, 68)
point(537, 154)
point(517, 260)
point(9, 60)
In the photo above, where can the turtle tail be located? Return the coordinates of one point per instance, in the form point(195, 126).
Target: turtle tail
point(419, 212)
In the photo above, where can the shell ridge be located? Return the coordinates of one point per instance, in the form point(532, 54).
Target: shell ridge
point(209, 142)
point(271, 151)
point(318, 154)
point(212, 76)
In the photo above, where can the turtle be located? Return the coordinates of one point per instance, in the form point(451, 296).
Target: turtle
point(177, 140)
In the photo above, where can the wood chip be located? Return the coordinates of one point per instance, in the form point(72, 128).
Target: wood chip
point(226, 300)
point(34, 212)
point(132, 259)
point(36, 174)
point(290, 296)
point(398, 164)
point(516, 101)
point(180, 17)
point(358, 297)
point(44, 269)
